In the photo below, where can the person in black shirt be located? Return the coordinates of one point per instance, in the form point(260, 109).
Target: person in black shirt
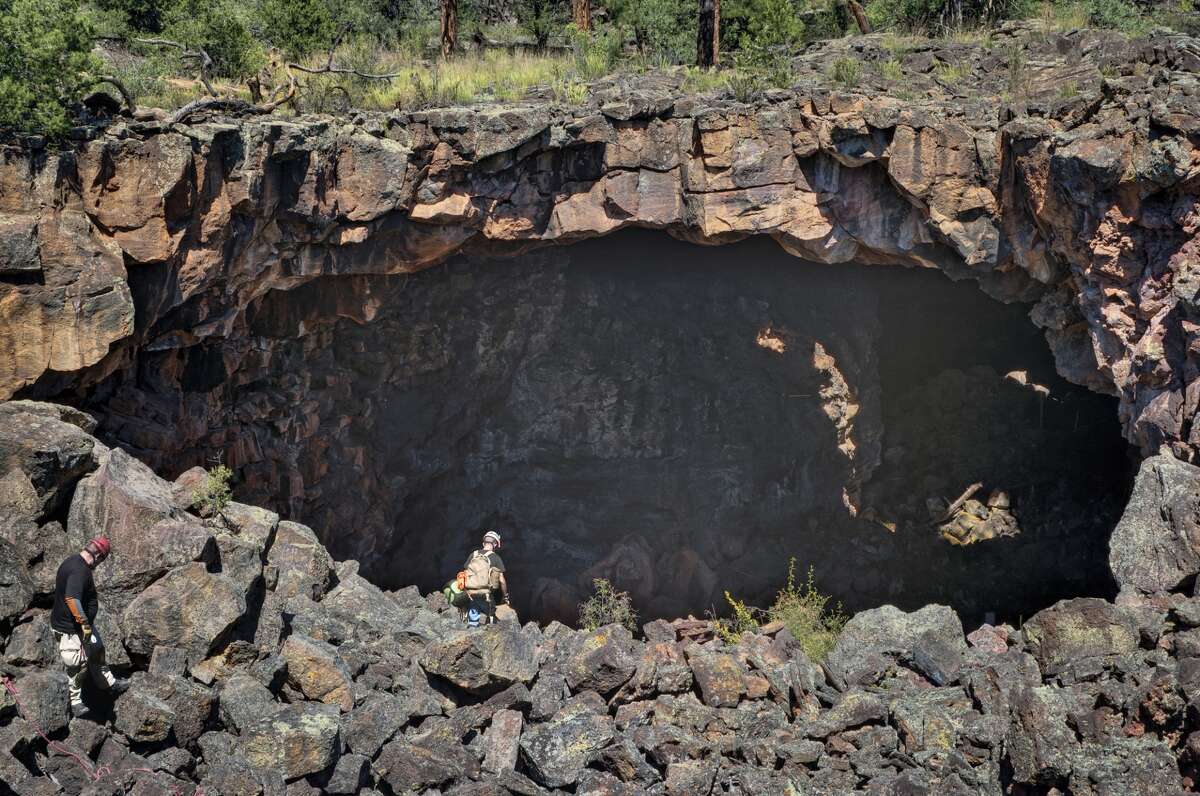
point(483, 597)
point(72, 620)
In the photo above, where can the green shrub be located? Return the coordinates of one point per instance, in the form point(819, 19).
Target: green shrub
point(800, 607)
point(298, 27)
point(940, 17)
point(761, 23)
point(222, 28)
point(607, 606)
point(1116, 14)
point(213, 496)
point(662, 29)
point(45, 63)
point(805, 612)
point(744, 619)
point(846, 71)
point(891, 70)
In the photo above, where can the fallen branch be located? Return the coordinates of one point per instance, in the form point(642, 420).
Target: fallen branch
point(953, 508)
point(199, 54)
point(125, 95)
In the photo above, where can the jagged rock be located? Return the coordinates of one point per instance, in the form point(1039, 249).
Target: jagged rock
point(244, 701)
point(720, 677)
point(1156, 545)
point(317, 671)
point(603, 661)
point(405, 766)
point(495, 656)
point(871, 639)
point(304, 566)
point(143, 717)
point(557, 751)
point(16, 587)
point(374, 722)
point(44, 700)
point(191, 705)
point(299, 740)
point(854, 709)
point(188, 607)
point(51, 452)
point(501, 742)
point(1072, 630)
point(349, 775)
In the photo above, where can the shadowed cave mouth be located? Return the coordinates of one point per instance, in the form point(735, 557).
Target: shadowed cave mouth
point(683, 420)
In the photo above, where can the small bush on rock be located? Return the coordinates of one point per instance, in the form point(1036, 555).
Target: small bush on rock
point(213, 496)
point(805, 612)
point(607, 606)
point(802, 609)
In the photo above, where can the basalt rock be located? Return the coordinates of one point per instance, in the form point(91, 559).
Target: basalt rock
point(171, 277)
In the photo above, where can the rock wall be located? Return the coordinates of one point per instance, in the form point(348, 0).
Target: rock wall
point(153, 235)
point(259, 665)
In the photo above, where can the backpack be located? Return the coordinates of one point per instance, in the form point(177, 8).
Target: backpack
point(479, 572)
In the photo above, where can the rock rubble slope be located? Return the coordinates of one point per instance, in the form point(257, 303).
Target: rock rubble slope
point(262, 666)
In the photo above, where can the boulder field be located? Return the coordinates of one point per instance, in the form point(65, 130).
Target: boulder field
point(260, 665)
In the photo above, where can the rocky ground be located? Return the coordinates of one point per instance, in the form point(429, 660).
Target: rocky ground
point(260, 665)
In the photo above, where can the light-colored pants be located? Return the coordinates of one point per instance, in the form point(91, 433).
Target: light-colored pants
point(70, 649)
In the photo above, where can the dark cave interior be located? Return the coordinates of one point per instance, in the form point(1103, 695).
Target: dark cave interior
point(681, 420)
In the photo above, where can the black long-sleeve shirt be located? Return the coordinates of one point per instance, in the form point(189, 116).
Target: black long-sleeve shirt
point(73, 582)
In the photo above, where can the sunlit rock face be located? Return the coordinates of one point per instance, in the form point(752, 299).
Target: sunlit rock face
point(678, 419)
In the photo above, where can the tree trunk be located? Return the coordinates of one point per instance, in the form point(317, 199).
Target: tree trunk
point(860, 16)
point(449, 26)
point(581, 14)
point(708, 37)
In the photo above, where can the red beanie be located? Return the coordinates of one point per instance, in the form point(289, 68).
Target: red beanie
point(99, 548)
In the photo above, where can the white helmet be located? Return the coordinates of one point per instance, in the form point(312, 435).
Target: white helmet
point(493, 537)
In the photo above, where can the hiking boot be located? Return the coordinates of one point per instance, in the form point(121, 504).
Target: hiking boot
point(119, 686)
point(80, 710)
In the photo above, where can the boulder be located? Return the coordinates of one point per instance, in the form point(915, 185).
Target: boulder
point(1074, 630)
point(299, 740)
point(53, 453)
point(407, 767)
point(603, 662)
point(491, 658)
point(191, 704)
point(557, 751)
point(854, 709)
point(16, 586)
point(244, 701)
point(45, 701)
point(349, 775)
point(373, 723)
point(721, 679)
point(304, 565)
point(317, 671)
point(1156, 545)
point(872, 639)
point(189, 607)
point(501, 742)
point(143, 717)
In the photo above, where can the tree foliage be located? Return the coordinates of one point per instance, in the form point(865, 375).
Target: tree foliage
point(45, 63)
point(665, 29)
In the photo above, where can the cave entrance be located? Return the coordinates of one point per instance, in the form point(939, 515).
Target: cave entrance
point(683, 420)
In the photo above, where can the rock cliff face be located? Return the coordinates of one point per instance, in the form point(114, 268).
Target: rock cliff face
point(260, 665)
point(178, 278)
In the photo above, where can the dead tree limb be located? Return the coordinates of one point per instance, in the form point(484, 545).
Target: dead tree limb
point(953, 508)
point(200, 55)
point(112, 80)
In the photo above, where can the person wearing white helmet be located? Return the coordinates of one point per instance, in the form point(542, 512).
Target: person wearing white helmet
point(485, 579)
